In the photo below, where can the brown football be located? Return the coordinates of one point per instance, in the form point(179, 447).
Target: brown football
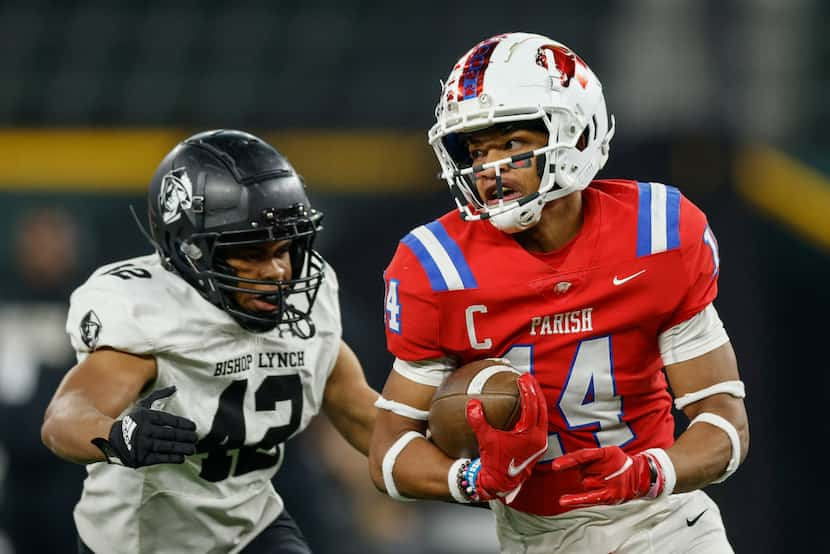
point(493, 381)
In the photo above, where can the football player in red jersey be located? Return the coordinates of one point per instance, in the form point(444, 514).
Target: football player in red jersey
point(592, 287)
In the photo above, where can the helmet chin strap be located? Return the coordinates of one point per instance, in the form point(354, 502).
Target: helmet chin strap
point(521, 217)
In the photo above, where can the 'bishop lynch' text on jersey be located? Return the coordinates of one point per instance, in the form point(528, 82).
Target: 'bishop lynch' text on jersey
point(282, 359)
point(264, 359)
point(576, 321)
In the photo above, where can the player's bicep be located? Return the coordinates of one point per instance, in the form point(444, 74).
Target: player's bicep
point(404, 405)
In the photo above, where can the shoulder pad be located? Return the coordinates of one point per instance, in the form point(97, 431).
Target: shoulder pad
point(128, 306)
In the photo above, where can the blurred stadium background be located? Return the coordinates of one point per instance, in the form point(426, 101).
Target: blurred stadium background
point(727, 99)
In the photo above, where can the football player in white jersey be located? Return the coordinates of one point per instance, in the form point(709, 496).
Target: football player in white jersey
point(198, 362)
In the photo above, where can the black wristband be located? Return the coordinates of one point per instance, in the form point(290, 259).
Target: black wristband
point(110, 453)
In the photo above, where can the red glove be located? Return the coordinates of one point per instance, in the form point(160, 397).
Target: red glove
point(507, 457)
point(610, 476)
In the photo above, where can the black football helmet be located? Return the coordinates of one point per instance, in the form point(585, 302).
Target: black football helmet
point(223, 189)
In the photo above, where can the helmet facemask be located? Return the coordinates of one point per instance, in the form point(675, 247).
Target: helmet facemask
point(206, 254)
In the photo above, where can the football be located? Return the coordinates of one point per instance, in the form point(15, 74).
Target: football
point(491, 380)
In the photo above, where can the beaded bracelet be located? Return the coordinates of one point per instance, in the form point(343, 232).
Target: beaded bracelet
point(462, 480)
point(468, 480)
point(455, 478)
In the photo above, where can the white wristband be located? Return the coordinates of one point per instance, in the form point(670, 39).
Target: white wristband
point(727, 427)
point(452, 481)
point(388, 464)
point(669, 475)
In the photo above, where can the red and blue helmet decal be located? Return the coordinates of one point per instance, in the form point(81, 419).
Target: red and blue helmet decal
point(471, 80)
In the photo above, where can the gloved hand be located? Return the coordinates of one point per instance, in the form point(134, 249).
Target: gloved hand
point(145, 436)
point(610, 476)
point(507, 457)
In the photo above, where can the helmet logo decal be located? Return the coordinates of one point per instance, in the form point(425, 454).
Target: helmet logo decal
point(566, 62)
point(90, 329)
point(176, 195)
point(472, 76)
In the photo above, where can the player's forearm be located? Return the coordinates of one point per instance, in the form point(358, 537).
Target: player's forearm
point(356, 421)
point(70, 423)
point(701, 454)
point(419, 471)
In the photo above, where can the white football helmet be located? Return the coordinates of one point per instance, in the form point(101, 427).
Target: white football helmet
point(518, 77)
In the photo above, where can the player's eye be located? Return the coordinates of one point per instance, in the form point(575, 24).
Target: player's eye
point(249, 255)
point(513, 144)
point(477, 154)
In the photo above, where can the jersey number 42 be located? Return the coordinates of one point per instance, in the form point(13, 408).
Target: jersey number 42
point(226, 439)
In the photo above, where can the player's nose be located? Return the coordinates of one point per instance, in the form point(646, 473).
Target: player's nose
point(486, 178)
point(277, 269)
point(492, 156)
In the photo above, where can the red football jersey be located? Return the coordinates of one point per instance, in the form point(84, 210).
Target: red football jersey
point(584, 320)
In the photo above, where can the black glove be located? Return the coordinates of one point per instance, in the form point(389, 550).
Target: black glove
point(145, 436)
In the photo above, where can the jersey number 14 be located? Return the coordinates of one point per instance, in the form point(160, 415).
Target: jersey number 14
point(589, 398)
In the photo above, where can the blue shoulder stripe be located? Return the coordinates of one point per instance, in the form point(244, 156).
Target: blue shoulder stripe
point(442, 259)
point(436, 281)
point(455, 254)
point(672, 218)
point(644, 220)
point(658, 218)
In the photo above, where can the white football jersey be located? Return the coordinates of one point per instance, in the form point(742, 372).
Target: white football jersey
point(247, 393)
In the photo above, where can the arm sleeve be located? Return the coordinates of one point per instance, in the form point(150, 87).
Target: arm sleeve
point(694, 337)
point(426, 372)
point(700, 264)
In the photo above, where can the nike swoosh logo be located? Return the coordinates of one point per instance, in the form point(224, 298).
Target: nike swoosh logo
point(691, 522)
point(617, 282)
point(514, 470)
